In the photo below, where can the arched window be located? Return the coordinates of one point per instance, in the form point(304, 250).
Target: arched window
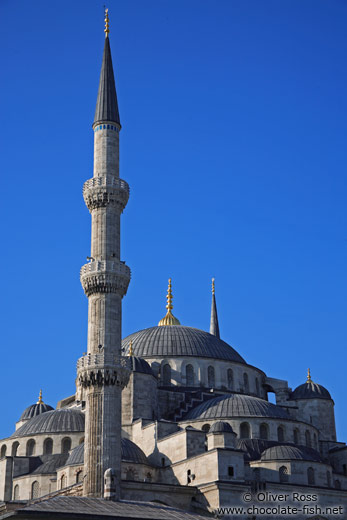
point(79, 476)
point(3, 451)
point(280, 434)
point(211, 377)
point(189, 375)
point(16, 492)
point(244, 431)
point(337, 484)
point(328, 479)
point(14, 449)
point(130, 474)
point(63, 481)
point(245, 382)
point(230, 379)
point(81, 441)
point(166, 375)
point(66, 445)
point(315, 440)
point(308, 438)
point(257, 389)
point(30, 451)
point(149, 477)
point(35, 489)
point(206, 428)
point(283, 474)
point(48, 446)
point(264, 431)
point(310, 477)
point(296, 436)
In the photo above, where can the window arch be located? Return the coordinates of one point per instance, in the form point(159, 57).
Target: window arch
point(264, 431)
point(280, 434)
point(30, 451)
point(310, 477)
point(3, 451)
point(315, 440)
point(189, 375)
point(16, 492)
point(206, 428)
point(35, 489)
point(296, 436)
point(308, 438)
point(48, 446)
point(130, 474)
point(14, 449)
point(328, 479)
point(211, 377)
point(79, 476)
point(283, 474)
point(337, 484)
point(66, 445)
point(257, 388)
point(166, 375)
point(244, 430)
point(245, 382)
point(230, 376)
point(63, 481)
point(149, 477)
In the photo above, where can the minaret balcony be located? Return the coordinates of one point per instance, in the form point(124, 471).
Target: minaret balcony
point(103, 369)
point(105, 277)
point(106, 190)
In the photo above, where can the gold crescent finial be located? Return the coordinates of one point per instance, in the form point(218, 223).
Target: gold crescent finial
point(213, 287)
point(309, 380)
point(169, 318)
point(130, 349)
point(107, 24)
point(40, 398)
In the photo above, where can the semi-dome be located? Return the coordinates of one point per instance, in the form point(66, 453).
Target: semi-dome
point(138, 364)
point(54, 421)
point(221, 427)
point(236, 405)
point(130, 453)
point(176, 341)
point(286, 452)
point(310, 390)
point(50, 464)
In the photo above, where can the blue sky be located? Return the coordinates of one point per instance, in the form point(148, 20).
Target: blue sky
point(234, 146)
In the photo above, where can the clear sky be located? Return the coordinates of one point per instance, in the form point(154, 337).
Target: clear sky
point(234, 146)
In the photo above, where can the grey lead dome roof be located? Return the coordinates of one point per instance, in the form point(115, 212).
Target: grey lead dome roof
point(55, 421)
point(236, 405)
point(310, 390)
point(34, 410)
point(221, 427)
point(130, 453)
point(284, 452)
point(177, 340)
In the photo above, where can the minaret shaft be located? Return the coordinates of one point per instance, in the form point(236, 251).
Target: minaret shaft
point(103, 371)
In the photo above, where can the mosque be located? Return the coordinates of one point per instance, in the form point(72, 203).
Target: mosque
point(171, 421)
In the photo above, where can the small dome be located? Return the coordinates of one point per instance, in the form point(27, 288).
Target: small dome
point(284, 452)
point(236, 405)
point(50, 464)
point(310, 390)
point(130, 453)
point(221, 427)
point(174, 341)
point(34, 410)
point(54, 421)
point(138, 364)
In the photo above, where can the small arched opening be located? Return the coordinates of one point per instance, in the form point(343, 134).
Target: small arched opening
point(30, 449)
point(189, 375)
point(66, 445)
point(280, 434)
point(166, 375)
point(245, 431)
point(310, 476)
point(211, 380)
point(264, 431)
point(283, 474)
point(48, 446)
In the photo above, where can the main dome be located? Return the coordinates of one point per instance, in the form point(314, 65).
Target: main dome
point(236, 405)
point(55, 421)
point(176, 341)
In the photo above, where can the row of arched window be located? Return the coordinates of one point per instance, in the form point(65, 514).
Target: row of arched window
point(311, 477)
point(31, 447)
point(190, 378)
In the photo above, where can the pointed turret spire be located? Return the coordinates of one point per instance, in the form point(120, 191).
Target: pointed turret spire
point(107, 104)
point(214, 326)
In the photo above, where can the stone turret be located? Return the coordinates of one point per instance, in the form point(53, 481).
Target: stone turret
point(102, 372)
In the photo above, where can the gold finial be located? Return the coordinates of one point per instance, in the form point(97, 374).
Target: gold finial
point(40, 398)
point(130, 353)
point(107, 24)
point(169, 318)
point(213, 288)
point(309, 380)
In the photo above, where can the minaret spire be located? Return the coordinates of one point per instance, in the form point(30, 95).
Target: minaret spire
point(169, 318)
point(106, 110)
point(103, 372)
point(214, 326)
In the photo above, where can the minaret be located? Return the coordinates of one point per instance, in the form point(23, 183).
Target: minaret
point(214, 327)
point(105, 278)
